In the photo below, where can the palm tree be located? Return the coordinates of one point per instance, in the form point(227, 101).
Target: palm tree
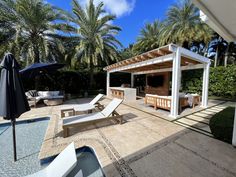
point(97, 40)
point(149, 37)
point(184, 26)
point(29, 28)
point(217, 49)
point(127, 52)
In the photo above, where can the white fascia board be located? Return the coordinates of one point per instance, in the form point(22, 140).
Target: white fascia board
point(156, 60)
point(189, 54)
point(188, 67)
point(207, 17)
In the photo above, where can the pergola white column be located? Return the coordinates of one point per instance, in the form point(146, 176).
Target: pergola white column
point(205, 84)
point(108, 84)
point(132, 80)
point(175, 84)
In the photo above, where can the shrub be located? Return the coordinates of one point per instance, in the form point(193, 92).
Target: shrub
point(222, 81)
point(221, 124)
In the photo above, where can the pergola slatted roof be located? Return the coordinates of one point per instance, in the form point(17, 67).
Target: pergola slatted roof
point(159, 58)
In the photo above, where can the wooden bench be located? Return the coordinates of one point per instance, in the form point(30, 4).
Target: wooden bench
point(164, 102)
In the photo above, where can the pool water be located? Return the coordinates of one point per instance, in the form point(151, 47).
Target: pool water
point(29, 138)
point(87, 162)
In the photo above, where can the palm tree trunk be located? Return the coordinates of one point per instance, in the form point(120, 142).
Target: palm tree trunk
point(36, 54)
point(91, 72)
point(216, 57)
point(226, 56)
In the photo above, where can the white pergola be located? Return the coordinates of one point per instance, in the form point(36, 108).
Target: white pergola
point(220, 16)
point(169, 58)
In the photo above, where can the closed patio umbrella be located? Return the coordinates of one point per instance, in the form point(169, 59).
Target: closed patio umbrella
point(12, 95)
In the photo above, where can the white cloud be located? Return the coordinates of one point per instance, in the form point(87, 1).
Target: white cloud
point(115, 7)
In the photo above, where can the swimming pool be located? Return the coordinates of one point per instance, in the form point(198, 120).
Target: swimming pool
point(29, 138)
point(87, 162)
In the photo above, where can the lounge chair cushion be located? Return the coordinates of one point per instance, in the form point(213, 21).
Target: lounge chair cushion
point(96, 99)
point(63, 163)
point(84, 107)
point(83, 118)
point(109, 109)
point(61, 166)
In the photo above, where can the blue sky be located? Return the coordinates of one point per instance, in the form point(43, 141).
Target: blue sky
point(131, 14)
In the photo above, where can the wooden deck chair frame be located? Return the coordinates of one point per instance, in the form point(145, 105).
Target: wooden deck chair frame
point(94, 101)
point(109, 116)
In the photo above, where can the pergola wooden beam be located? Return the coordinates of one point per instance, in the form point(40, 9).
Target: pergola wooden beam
point(149, 62)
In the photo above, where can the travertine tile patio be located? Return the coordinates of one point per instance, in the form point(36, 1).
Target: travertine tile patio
point(144, 146)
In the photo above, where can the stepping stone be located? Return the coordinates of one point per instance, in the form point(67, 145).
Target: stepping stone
point(205, 116)
point(198, 119)
point(194, 129)
point(195, 124)
point(208, 112)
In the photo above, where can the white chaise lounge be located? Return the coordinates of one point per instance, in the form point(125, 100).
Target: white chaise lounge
point(83, 107)
point(61, 166)
point(107, 113)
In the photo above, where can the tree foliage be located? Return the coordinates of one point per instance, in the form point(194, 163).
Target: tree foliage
point(149, 37)
point(97, 35)
point(183, 25)
point(30, 29)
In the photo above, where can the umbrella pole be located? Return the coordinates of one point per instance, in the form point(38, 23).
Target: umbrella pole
point(13, 122)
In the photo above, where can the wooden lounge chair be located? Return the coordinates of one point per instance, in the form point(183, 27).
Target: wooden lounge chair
point(61, 166)
point(107, 113)
point(83, 107)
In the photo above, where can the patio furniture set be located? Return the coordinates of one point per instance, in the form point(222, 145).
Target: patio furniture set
point(50, 98)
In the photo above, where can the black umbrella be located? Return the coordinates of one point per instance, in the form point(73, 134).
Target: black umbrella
point(37, 68)
point(12, 95)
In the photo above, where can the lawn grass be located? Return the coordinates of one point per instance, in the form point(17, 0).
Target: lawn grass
point(221, 124)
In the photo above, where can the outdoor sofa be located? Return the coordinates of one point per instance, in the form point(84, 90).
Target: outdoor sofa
point(62, 165)
point(86, 107)
point(108, 113)
point(164, 102)
point(35, 97)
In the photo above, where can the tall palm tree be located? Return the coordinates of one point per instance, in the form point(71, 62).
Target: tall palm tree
point(149, 37)
point(29, 28)
point(184, 26)
point(97, 35)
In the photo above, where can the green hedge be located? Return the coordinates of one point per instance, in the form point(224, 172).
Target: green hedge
point(221, 124)
point(70, 81)
point(222, 81)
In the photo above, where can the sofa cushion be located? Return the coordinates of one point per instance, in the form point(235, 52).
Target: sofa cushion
point(55, 93)
point(152, 95)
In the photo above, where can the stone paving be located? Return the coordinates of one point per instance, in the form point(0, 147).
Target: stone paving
point(144, 146)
